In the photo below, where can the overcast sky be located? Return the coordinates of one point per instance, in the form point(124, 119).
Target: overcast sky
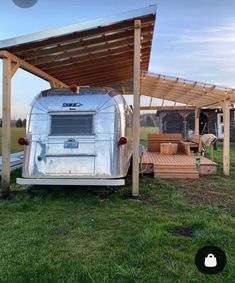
point(193, 39)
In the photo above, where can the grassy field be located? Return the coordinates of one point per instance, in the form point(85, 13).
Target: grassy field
point(75, 235)
point(16, 133)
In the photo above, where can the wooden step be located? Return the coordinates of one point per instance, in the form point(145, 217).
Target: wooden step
point(188, 167)
point(179, 172)
point(164, 170)
point(176, 176)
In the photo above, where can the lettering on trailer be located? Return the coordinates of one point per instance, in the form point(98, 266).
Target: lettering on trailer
point(76, 104)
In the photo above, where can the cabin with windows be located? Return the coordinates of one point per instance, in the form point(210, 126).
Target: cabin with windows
point(182, 121)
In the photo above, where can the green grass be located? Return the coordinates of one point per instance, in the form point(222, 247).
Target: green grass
point(72, 235)
point(16, 133)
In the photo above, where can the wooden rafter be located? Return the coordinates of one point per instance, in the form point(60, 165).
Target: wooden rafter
point(92, 69)
point(122, 38)
point(171, 89)
point(117, 27)
point(30, 68)
point(174, 107)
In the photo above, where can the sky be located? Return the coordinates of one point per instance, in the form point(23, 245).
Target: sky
point(192, 39)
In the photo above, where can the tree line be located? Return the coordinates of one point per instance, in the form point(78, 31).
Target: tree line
point(18, 123)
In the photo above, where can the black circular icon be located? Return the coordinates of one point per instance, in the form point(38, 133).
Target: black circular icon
point(210, 260)
point(25, 3)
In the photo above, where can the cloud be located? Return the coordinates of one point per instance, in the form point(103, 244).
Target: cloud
point(199, 39)
point(215, 35)
point(205, 54)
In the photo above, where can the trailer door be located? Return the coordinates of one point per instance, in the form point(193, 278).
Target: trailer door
point(71, 145)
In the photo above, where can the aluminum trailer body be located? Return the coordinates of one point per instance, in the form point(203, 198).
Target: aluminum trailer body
point(76, 136)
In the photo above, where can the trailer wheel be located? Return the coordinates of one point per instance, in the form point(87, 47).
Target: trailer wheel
point(103, 192)
point(39, 191)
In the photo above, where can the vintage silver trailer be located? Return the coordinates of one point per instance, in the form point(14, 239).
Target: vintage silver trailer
point(77, 137)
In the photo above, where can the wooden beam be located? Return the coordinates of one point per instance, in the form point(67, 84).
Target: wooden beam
point(14, 67)
point(30, 68)
point(102, 81)
point(115, 76)
point(167, 107)
point(171, 89)
point(136, 114)
point(93, 53)
point(226, 144)
point(197, 120)
point(54, 84)
point(56, 65)
point(93, 68)
point(85, 50)
point(87, 64)
point(103, 55)
point(117, 37)
point(178, 96)
point(6, 125)
point(104, 74)
point(126, 34)
point(218, 102)
point(187, 91)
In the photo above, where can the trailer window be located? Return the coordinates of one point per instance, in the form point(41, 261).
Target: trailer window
point(63, 125)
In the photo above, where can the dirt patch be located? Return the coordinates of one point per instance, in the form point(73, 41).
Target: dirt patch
point(63, 233)
point(224, 198)
point(182, 231)
point(130, 196)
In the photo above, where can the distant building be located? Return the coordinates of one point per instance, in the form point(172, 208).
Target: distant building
point(148, 120)
point(183, 121)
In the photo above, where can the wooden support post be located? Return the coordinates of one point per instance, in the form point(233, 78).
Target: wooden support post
point(197, 121)
point(9, 69)
point(52, 84)
point(226, 144)
point(136, 114)
point(6, 125)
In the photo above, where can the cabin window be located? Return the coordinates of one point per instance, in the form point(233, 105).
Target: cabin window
point(63, 125)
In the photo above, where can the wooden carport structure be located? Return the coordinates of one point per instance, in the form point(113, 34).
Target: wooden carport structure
point(194, 95)
point(106, 52)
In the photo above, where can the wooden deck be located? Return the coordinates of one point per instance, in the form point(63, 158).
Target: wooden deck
point(176, 166)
